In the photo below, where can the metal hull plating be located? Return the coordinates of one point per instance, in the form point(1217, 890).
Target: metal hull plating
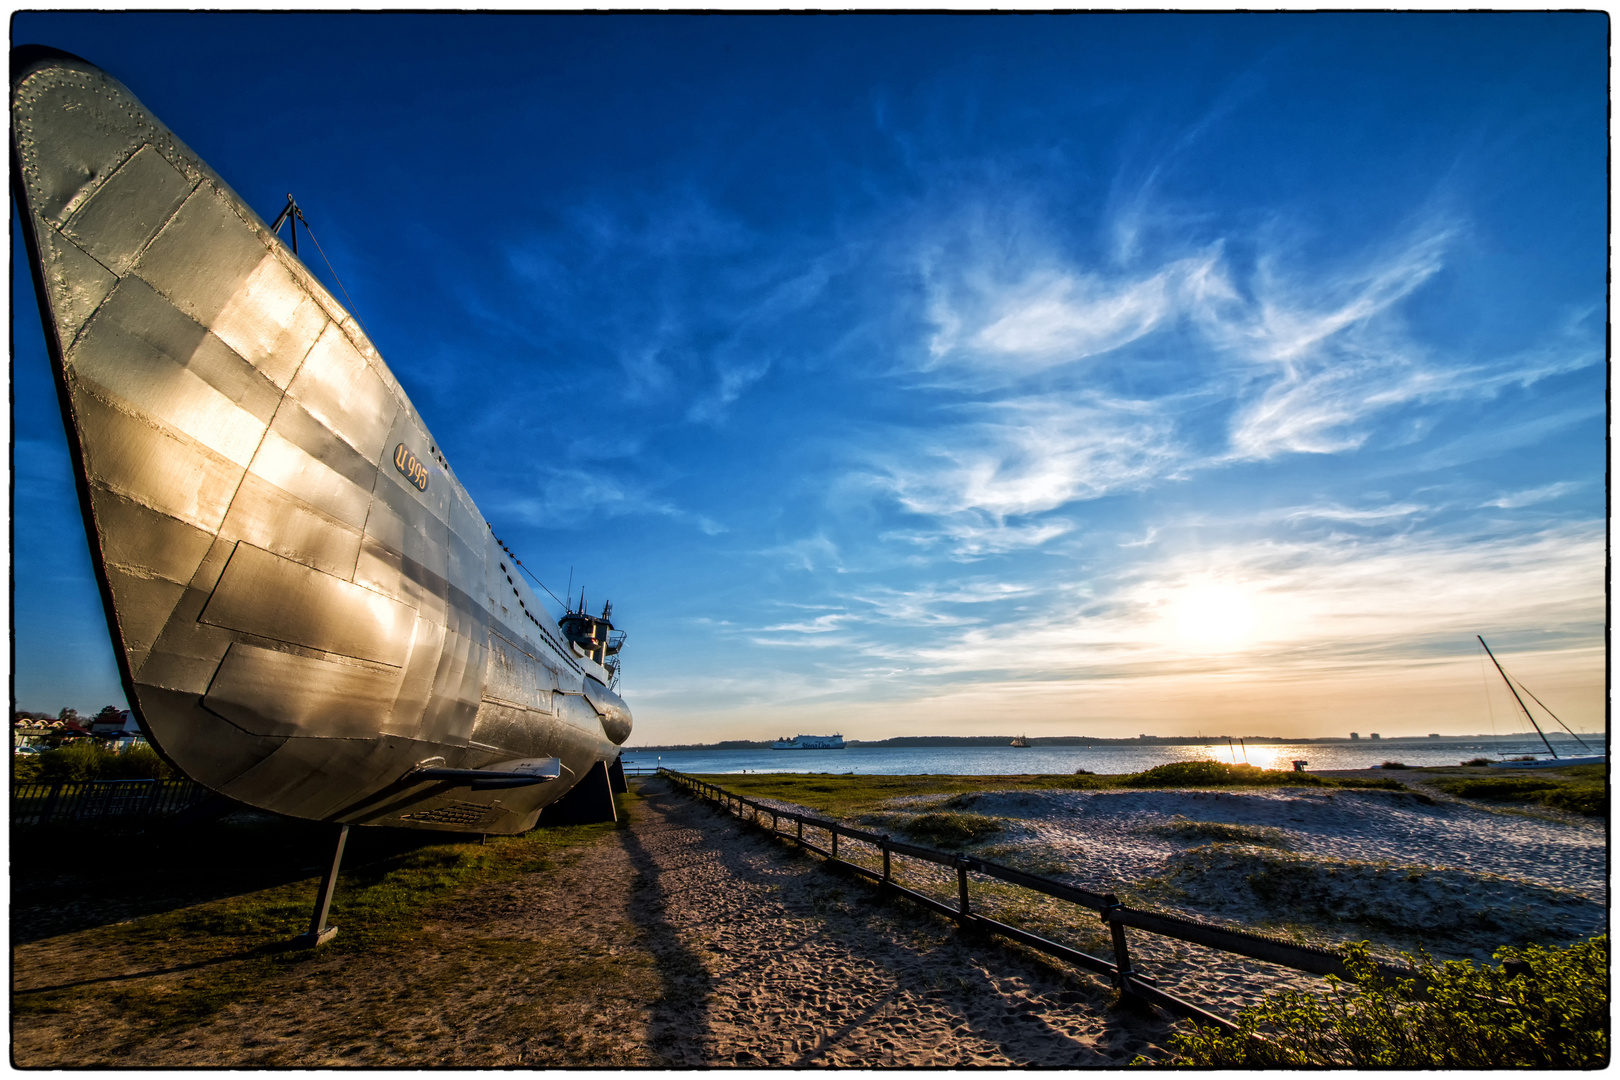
point(305, 603)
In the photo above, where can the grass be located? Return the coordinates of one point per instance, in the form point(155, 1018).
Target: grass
point(850, 795)
point(1578, 789)
point(1182, 828)
point(228, 946)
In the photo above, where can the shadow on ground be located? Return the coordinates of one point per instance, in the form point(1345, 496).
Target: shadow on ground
point(76, 877)
point(679, 1016)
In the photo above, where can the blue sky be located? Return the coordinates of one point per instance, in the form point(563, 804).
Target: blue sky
point(952, 374)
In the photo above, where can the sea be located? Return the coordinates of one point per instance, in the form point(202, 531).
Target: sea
point(1112, 758)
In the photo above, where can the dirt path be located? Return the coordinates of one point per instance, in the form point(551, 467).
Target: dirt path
point(683, 941)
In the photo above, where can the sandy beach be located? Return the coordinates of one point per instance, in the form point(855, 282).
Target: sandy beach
point(693, 940)
point(1113, 840)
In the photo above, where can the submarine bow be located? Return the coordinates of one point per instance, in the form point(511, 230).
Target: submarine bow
point(310, 614)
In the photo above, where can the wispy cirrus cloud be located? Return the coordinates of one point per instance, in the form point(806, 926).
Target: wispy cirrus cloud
point(1532, 496)
point(572, 498)
point(1029, 454)
point(1053, 315)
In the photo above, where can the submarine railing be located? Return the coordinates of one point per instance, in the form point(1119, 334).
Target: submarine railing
point(41, 803)
point(1117, 915)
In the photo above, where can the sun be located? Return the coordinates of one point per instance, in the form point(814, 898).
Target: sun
point(1213, 617)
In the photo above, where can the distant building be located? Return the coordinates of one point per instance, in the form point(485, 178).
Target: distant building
point(114, 724)
point(1432, 735)
point(119, 729)
point(1354, 737)
point(1375, 736)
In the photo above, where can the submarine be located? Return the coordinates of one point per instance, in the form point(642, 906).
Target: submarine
point(309, 613)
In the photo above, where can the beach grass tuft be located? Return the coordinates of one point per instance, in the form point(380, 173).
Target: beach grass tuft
point(1184, 828)
point(951, 828)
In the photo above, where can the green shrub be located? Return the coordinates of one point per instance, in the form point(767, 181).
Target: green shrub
point(1497, 788)
point(1476, 761)
point(24, 768)
point(136, 763)
point(83, 760)
point(1216, 774)
point(1379, 783)
point(1589, 801)
point(951, 829)
point(1551, 1012)
point(1394, 765)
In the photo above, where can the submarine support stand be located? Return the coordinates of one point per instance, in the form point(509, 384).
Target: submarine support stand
point(319, 933)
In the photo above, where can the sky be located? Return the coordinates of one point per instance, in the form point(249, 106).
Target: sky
point(951, 374)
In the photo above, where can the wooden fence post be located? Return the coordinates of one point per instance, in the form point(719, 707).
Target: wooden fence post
point(834, 832)
point(885, 846)
point(1122, 954)
point(962, 888)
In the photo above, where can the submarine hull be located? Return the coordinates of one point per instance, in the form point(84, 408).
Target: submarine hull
point(306, 606)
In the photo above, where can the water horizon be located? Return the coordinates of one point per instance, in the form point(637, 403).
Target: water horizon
point(1102, 759)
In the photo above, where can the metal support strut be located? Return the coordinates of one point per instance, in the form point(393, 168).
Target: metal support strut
point(290, 211)
point(319, 933)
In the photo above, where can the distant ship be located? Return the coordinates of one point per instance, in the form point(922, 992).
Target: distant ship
point(809, 742)
point(1020, 741)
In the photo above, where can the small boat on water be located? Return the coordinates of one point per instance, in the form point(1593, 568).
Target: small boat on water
point(1020, 741)
point(1553, 762)
point(809, 742)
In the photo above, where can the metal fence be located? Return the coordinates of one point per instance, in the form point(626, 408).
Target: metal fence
point(101, 801)
point(879, 858)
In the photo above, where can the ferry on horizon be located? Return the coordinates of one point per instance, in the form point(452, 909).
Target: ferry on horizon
point(809, 742)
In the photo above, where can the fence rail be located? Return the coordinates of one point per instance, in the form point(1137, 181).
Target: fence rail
point(1116, 915)
point(101, 800)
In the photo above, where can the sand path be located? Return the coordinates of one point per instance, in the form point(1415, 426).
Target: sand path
point(686, 941)
point(791, 965)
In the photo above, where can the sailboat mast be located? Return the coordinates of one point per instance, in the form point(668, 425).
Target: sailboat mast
point(1555, 716)
point(1516, 697)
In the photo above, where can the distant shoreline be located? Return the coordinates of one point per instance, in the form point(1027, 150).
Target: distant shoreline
point(936, 741)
